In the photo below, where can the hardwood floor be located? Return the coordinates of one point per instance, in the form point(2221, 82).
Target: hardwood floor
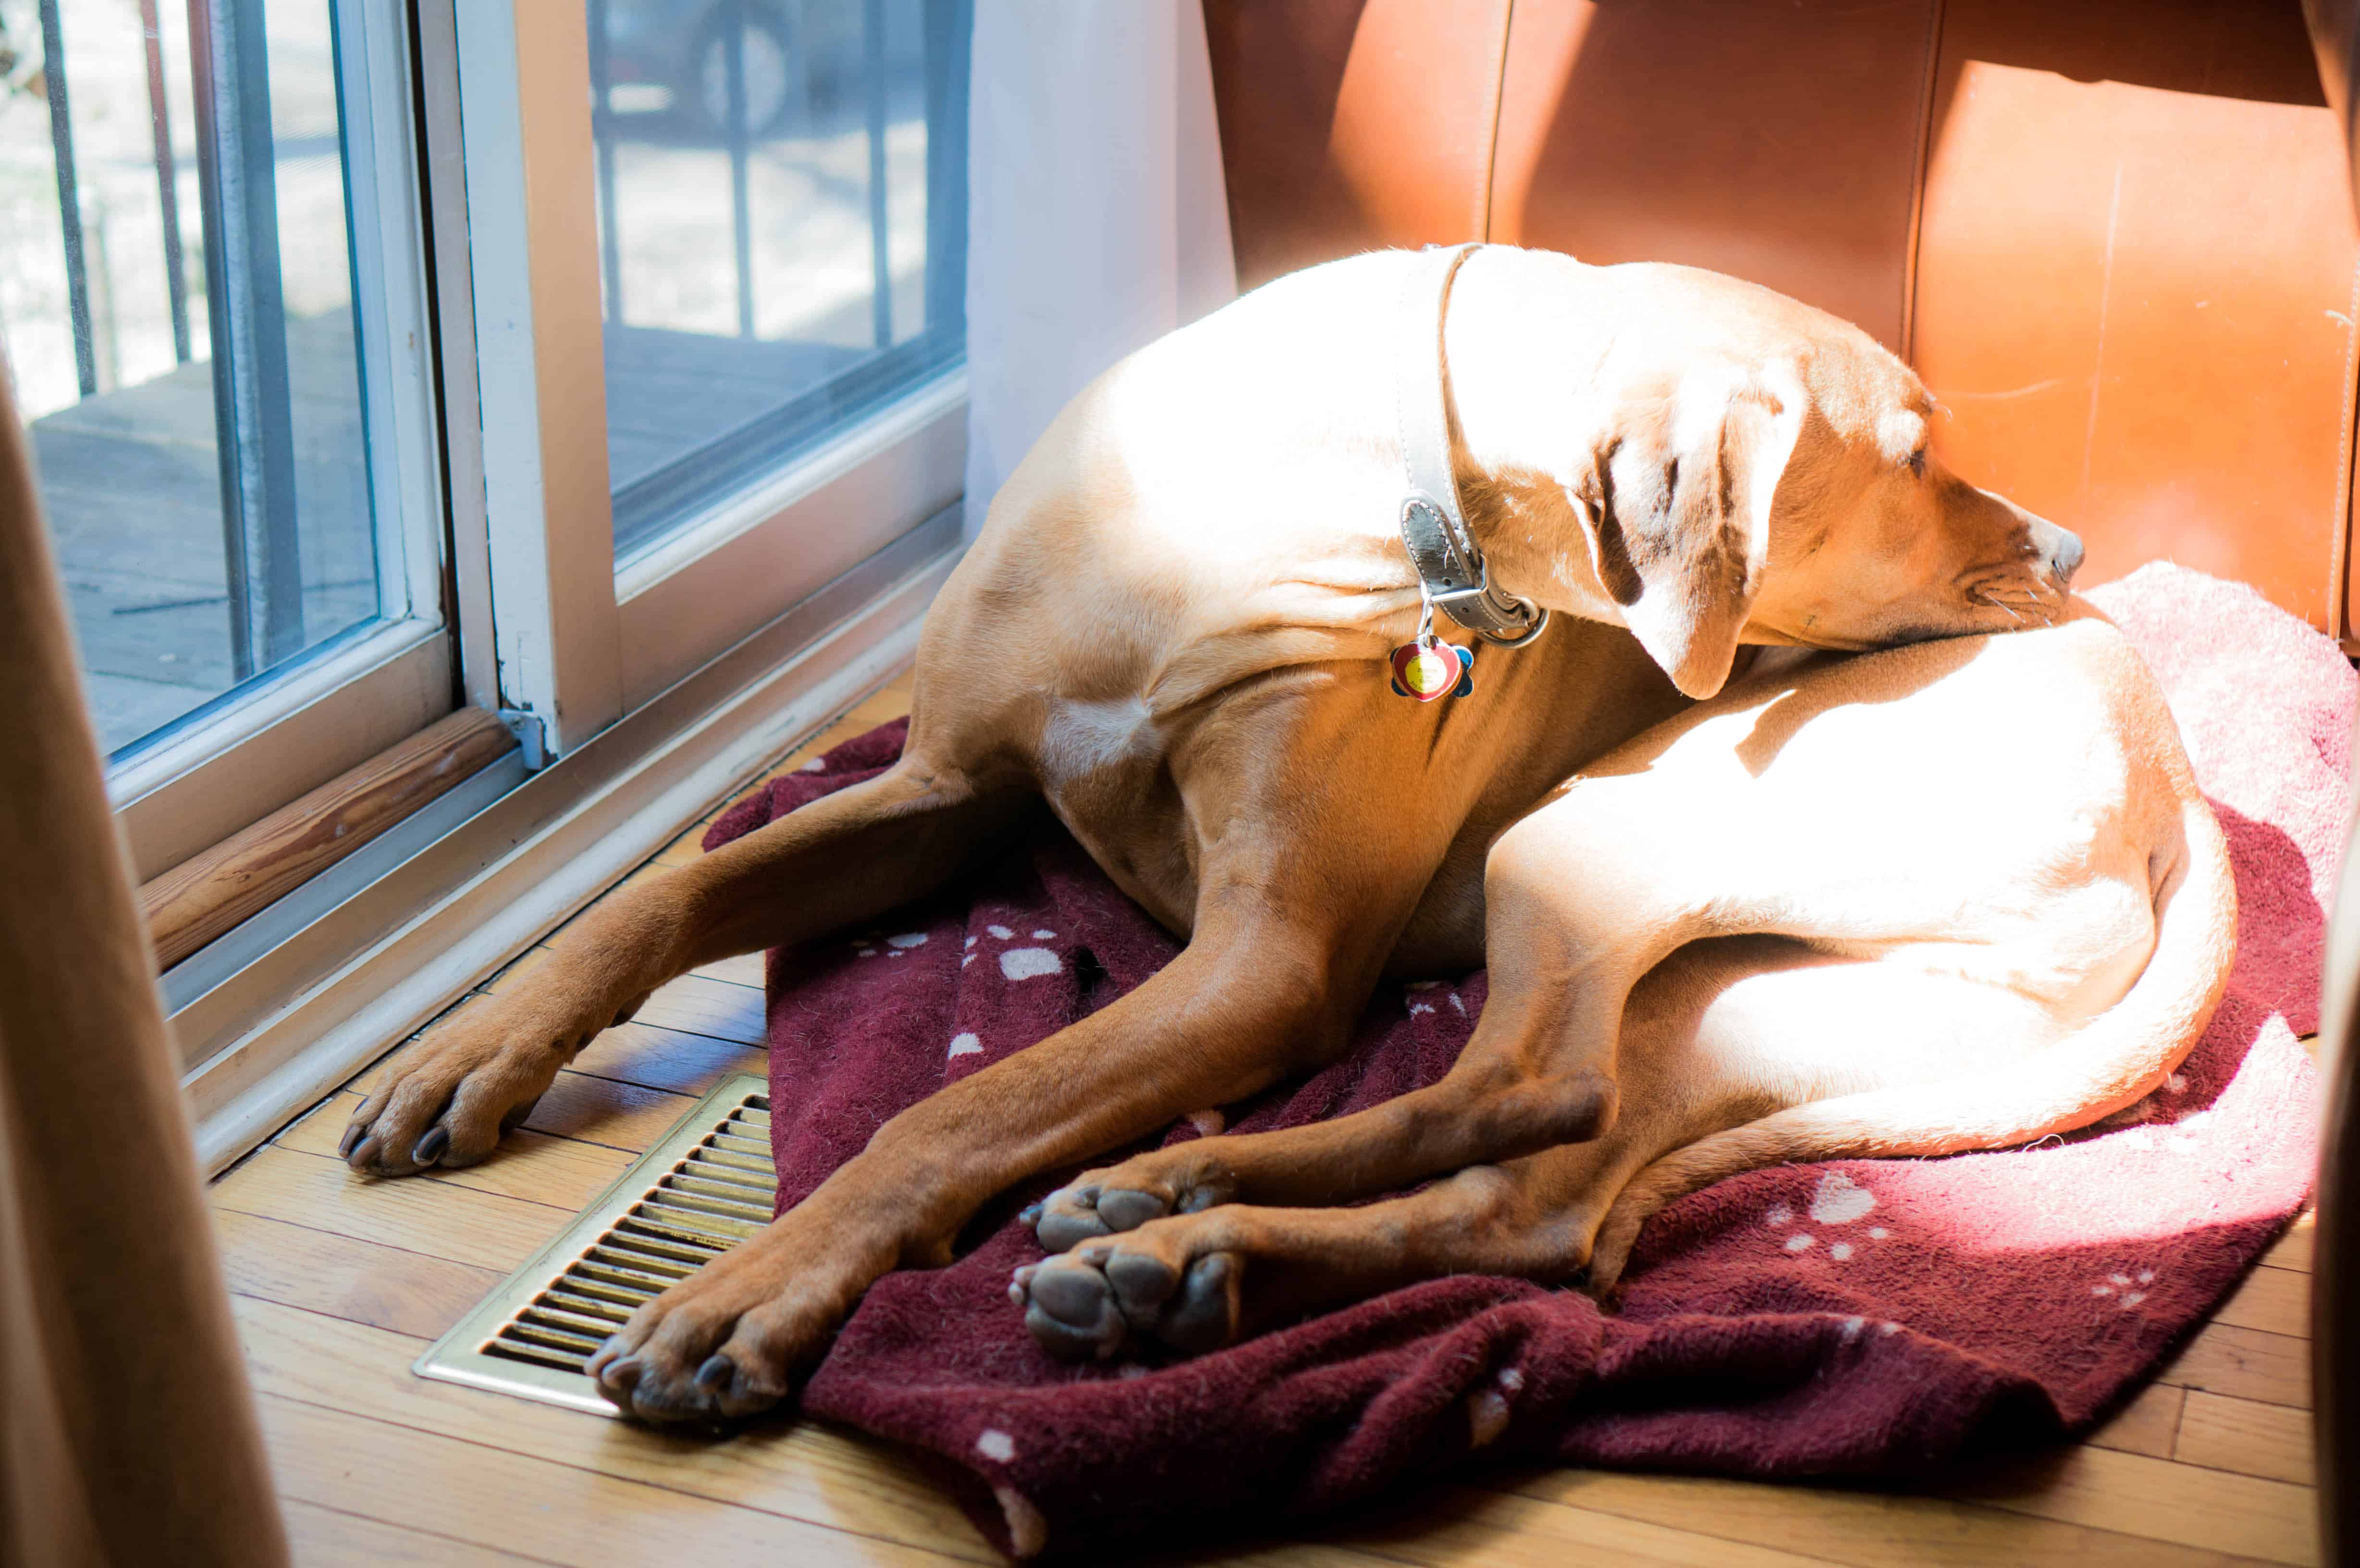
point(340, 1283)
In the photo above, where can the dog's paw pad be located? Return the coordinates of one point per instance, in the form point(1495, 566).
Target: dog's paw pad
point(1067, 1217)
point(1070, 1311)
point(1205, 1315)
point(1125, 1210)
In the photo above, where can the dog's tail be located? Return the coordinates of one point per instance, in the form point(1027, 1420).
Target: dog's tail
point(2110, 1062)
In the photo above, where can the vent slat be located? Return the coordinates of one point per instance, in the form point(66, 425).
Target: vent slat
point(649, 1223)
point(759, 1149)
point(632, 1235)
point(717, 1230)
point(538, 1354)
point(586, 1279)
point(555, 1338)
point(697, 1165)
point(760, 1167)
point(586, 1306)
point(753, 1117)
point(633, 1270)
point(546, 1313)
point(708, 1199)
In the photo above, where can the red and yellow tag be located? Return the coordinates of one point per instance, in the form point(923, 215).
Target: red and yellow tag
point(1430, 669)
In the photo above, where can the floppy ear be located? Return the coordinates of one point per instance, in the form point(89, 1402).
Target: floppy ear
point(1676, 507)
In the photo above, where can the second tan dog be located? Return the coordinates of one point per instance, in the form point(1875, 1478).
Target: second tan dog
point(1173, 632)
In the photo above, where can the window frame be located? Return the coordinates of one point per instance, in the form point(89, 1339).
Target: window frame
point(235, 759)
point(581, 643)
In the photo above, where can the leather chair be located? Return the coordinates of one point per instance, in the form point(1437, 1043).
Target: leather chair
point(2117, 238)
point(2114, 236)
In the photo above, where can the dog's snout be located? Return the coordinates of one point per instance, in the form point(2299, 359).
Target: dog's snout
point(2061, 548)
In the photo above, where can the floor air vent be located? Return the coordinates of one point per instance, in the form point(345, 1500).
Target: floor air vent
point(707, 1186)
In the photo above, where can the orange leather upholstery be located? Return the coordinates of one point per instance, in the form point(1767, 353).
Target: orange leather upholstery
point(2114, 236)
point(1776, 143)
point(2136, 283)
point(1353, 125)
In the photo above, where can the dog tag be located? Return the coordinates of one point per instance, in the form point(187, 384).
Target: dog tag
point(1429, 668)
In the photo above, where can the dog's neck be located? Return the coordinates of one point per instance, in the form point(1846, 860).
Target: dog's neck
point(1521, 391)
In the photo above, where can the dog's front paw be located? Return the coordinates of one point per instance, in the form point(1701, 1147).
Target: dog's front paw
point(1164, 1282)
point(448, 1097)
point(727, 1340)
point(1180, 1181)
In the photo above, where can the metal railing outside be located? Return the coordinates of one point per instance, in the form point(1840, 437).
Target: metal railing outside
point(245, 302)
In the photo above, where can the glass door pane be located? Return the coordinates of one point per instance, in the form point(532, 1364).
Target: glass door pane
point(177, 303)
point(783, 231)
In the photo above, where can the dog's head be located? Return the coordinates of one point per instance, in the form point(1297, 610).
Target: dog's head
point(1761, 474)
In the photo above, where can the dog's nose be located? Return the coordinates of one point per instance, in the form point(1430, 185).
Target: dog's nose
point(2062, 547)
point(2066, 556)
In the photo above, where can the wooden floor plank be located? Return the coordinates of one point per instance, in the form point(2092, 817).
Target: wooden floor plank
point(2270, 1441)
point(1866, 1528)
point(511, 1502)
point(795, 1471)
point(699, 1005)
point(2135, 1494)
point(692, 1004)
point(745, 969)
point(2293, 1250)
point(679, 1063)
point(325, 1538)
point(1468, 1526)
point(601, 1110)
point(2276, 1300)
point(488, 1230)
point(2245, 1364)
point(364, 1281)
point(528, 1164)
point(2148, 1424)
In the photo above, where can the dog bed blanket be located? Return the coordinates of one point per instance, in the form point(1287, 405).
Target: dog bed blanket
point(1856, 1318)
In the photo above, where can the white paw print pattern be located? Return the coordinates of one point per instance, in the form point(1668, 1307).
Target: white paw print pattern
point(1853, 1327)
point(2127, 1290)
point(1019, 962)
point(1838, 1201)
point(1420, 1000)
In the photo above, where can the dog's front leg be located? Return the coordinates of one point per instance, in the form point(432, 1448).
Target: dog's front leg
point(1237, 1008)
point(446, 1099)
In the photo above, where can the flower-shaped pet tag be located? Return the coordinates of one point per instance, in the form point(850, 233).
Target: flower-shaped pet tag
point(1430, 669)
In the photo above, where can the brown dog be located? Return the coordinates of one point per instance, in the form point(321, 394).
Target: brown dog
point(1174, 629)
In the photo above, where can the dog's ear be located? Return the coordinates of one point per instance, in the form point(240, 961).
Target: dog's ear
point(1676, 502)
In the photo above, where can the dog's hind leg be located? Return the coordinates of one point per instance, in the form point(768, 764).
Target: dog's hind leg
point(1578, 912)
point(1198, 1280)
point(446, 1099)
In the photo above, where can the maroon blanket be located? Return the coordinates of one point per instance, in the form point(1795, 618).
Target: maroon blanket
point(1857, 1318)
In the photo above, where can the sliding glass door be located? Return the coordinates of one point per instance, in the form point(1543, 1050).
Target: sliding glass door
point(383, 355)
point(782, 233)
point(211, 298)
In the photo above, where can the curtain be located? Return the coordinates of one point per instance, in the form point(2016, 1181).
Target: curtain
point(1096, 219)
point(127, 1434)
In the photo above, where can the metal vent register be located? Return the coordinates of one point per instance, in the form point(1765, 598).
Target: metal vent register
point(707, 1186)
